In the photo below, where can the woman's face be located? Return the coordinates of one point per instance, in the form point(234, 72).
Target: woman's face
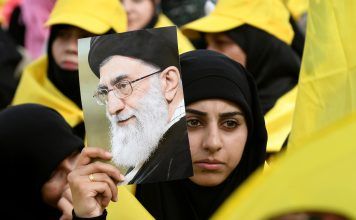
point(52, 190)
point(217, 135)
point(139, 13)
point(221, 43)
point(65, 47)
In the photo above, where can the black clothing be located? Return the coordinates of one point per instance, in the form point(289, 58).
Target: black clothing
point(298, 39)
point(100, 217)
point(206, 75)
point(273, 63)
point(17, 27)
point(34, 140)
point(9, 60)
point(171, 160)
point(65, 80)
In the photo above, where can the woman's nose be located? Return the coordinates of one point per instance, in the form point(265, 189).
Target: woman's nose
point(213, 141)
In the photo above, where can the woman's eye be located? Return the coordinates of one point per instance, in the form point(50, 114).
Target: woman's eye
point(193, 123)
point(230, 124)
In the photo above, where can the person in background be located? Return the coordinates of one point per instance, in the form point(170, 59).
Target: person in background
point(227, 139)
point(53, 80)
point(38, 150)
point(143, 14)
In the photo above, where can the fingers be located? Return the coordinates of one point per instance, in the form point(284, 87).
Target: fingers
point(105, 193)
point(89, 153)
point(91, 196)
point(97, 196)
point(66, 207)
point(102, 177)
point(67, 194)
point(100, 167)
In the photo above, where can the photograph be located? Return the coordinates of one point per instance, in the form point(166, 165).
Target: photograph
point(133, 103)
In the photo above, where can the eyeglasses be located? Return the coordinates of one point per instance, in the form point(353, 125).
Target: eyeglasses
point(121, 89)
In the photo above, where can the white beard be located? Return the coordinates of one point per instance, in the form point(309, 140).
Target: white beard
point(133, 144)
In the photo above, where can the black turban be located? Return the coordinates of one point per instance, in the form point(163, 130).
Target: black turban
point(157, 47)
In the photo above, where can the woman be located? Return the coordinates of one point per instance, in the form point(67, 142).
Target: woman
point(38, 150)
point(53, 80)
point(258, 35)
point(147, 14)
point(227, 140)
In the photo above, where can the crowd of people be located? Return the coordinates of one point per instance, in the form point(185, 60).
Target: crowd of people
point(239, 69)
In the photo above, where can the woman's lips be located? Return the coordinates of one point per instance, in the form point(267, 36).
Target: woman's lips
point(211, 165)
point(68, 65)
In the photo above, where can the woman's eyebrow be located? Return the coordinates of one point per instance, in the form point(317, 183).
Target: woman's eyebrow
point(230, 114)
point(196, 112)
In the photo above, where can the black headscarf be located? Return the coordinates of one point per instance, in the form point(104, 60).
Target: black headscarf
point(10, 58)
point(34, 140)
point(274, 64)
point(210, 75)
point(67, 81)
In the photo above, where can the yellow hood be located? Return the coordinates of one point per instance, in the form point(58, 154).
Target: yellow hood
point(93, 16)
point(297, 7)
point(268, 15)
point(35, 87)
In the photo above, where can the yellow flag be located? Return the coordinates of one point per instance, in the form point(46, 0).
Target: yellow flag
point(327, 84)
point(127, 207)
point(317, 172)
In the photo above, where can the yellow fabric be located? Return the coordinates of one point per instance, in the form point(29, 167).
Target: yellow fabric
point(297, 7)
point(319, 176)
point(268, 15)
point(279, 120)
point(93, 16)
point(127, 207)
point(327, 84)
point(35, 87)
point(317, 172)
point(184, 44)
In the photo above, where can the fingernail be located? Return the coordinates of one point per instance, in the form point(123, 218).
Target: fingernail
point(108, 154)
point(122, 177)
